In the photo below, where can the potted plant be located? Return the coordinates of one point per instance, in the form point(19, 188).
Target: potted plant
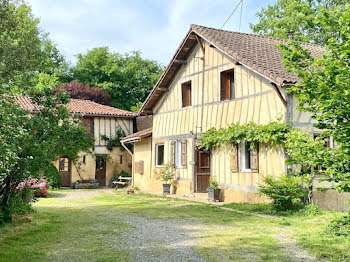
point(213, 190)
point(167, 175)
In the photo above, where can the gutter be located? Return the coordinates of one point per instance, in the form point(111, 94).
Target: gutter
point(132, 140)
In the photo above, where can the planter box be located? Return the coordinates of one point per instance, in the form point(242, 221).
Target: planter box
point(213, 194)
point(166, 189)
point(86, 185)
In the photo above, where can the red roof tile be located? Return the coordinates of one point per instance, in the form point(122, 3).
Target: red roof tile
point(78, 106)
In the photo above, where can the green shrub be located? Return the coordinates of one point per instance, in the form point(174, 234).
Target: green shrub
point(124, 174)
point(167, 175)
point(53, 177)
point(286, 192)
point(310, 210)
point(340, 226)
point(213, 184)
point(18, 205)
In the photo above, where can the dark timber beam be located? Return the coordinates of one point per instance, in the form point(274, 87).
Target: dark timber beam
point(279, 94)
point(165, 89)
point(200, 44)
point(180, 61)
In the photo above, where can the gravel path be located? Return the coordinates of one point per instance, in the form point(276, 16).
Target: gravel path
point(163, 240)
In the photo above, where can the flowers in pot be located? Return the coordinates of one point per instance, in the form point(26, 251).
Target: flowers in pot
point(167, 176)
point(213, 190)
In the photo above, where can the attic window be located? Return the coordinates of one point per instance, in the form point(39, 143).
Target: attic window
point(186, 94)
point(227, 88)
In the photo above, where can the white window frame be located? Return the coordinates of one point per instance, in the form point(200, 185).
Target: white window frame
point(156, 155)
point(178, 154)
point(242, 160)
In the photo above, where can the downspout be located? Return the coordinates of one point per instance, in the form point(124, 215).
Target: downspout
point(132, 161)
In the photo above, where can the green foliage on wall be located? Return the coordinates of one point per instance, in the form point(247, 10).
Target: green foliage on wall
point(273, 133)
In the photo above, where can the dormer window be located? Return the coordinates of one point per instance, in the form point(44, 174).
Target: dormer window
point(227, 88)
point(186, 94)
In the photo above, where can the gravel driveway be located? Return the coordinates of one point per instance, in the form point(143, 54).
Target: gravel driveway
point(161, 240)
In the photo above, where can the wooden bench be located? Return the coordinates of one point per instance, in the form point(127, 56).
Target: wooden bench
point(122, 182)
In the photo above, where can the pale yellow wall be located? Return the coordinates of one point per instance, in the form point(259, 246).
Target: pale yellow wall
point(103, 126)
point(256, 100)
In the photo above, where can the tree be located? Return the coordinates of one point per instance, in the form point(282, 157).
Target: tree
point(31, 141)
point(86, 92)
point(126, 77)
point(298, 17)
point(26, 51)
point(324, 89)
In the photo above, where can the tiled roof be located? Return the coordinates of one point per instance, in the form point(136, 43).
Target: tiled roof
point(255, 51)
point(259, 53)
point(78, 106)
point(141, 134)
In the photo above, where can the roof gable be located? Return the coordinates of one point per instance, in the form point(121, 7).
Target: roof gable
point(258, 53)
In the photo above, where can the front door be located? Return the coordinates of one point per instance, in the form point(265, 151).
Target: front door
point(202, 170)
point(100, 173)
point(65, 171)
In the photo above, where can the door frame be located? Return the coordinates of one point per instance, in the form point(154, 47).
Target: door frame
point(105, 167)
point(195, 180)
point(69, 170)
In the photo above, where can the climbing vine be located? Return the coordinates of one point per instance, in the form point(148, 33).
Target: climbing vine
point(273, 133)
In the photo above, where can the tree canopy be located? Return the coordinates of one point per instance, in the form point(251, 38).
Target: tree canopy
point(128, 78)
point(297, 17)
point(25, 50)
point(86, 92)
point(324, 89)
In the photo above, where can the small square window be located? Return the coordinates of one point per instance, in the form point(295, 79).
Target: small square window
point(186, 94)
point(227, 85)
point(159, 155)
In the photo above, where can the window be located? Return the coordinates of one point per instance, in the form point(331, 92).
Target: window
point(186, 94)
point(227, 89)
point(84, 159)
point(121, 159)
point(244, 157)
point(64, 164)
point(159, 155)
point(178, 154)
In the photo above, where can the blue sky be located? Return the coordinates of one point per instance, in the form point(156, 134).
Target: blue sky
point(154, 27)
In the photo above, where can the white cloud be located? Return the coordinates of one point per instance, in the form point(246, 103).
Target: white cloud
point(156, 27)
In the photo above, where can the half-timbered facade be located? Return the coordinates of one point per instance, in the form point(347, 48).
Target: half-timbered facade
point(103, 122)
point(216, 78)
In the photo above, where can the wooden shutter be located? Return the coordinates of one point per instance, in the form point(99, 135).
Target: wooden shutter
point(186, 94)
point(254, 159)
point(223, 86)
point(184, 153)
point(234, 159)
point(172, 153)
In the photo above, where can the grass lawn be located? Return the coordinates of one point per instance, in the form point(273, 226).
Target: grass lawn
point(91, 227)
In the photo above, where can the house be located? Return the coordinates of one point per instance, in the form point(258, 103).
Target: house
point(102, 121)
point(216, 78)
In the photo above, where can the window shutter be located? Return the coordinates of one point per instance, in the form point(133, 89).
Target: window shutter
point(172, 153)
point(223, 86)
point(234, 159)
point(254, 159)
point(184, 153)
